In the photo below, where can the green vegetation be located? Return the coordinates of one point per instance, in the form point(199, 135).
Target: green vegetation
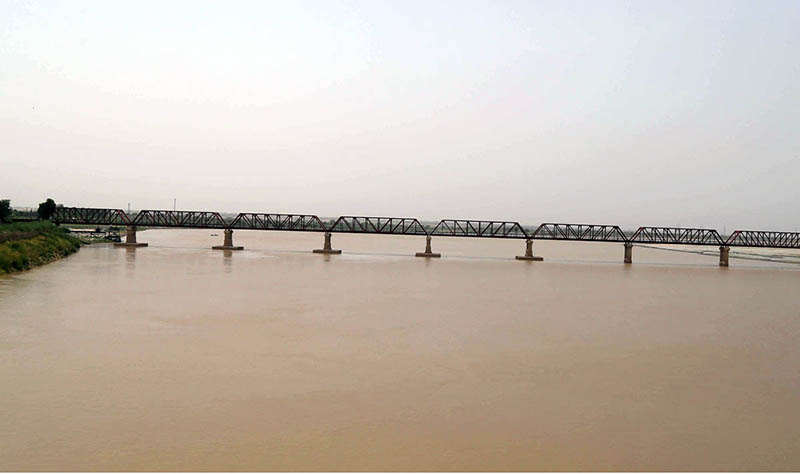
point(24, 245)
point(9, 214)
point(5, 210)
point(47, 208)
point(40, 227)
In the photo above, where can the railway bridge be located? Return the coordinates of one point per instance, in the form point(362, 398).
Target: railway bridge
point(412, 226)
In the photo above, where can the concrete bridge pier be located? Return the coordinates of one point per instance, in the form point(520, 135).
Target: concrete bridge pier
point(327, 248)
point(628, 252)
point(428, 252)
point(529, 256)
point(723, 255)
point(228, 242)
point(130, 238)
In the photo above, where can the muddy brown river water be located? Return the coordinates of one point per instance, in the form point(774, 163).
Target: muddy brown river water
point(179, 357)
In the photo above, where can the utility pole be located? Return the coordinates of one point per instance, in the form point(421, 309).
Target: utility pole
point(129, 208)
point(174, 204)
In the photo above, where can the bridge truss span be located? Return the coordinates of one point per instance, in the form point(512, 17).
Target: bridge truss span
point(192, 219)
point(412, 226)
point(295, 222)
point(470, 228)
point(90, 215)
point(580, 232)
point(764, 238)
point(676, 236)
point(379, 225)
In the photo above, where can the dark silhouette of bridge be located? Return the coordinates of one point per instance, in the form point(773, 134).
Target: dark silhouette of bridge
point(412, 226)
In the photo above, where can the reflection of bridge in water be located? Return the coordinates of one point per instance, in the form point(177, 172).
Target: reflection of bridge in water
point(412, 226)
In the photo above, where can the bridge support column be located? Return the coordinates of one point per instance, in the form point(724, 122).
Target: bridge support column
point(428, 252)
point(130, 238)
point(228, 242)
point(327, 248)
point(723, 255)
point(628, 252)
point(529, 256)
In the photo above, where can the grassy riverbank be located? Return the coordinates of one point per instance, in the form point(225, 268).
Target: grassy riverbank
point(24, 245)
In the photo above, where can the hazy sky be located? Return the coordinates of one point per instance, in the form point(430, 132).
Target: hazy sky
point(641, 113)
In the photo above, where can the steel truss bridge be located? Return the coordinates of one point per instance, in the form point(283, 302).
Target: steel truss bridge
point(412, 226)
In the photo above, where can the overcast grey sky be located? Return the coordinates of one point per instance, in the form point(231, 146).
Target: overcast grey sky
point(640, 113)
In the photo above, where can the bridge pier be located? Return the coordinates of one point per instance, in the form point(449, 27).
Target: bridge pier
point(723, 255)
point(228, 242)
point(628, 252)
point(428, 252)
point(327, 248)
point(529, 256)
point(130, 238)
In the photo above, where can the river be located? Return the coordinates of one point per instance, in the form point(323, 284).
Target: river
point(179, 357)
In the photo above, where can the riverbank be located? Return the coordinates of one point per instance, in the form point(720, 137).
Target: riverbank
point(25, 245)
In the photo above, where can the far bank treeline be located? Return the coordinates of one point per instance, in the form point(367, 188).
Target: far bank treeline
point(27, 240)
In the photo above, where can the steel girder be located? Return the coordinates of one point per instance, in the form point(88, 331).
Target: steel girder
point(764, 238)
point(296, 222)
point(581, 232)
point(676, 235)
point(90, 215)
point(378, 225)
point(469, 228)
point(193, 219)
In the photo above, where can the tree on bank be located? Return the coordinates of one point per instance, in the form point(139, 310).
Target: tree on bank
point(5, 210)
point(46, 209)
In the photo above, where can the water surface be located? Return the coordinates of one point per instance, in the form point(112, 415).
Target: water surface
point(179, 357)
